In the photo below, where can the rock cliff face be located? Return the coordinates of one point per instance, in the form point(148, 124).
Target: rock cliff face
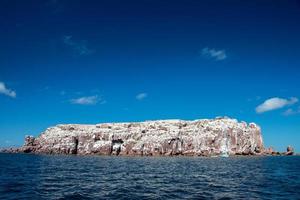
point(220, 136)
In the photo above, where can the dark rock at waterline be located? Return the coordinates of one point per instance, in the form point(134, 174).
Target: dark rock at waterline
point(289, 151)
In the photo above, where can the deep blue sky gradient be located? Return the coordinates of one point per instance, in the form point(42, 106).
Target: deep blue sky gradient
point(123, 48)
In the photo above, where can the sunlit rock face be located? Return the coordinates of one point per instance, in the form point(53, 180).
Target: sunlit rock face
point(151, 138)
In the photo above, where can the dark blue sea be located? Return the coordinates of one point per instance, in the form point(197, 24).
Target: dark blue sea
point(24, 176)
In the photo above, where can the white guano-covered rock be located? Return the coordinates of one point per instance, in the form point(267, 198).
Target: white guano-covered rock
point(151, 138)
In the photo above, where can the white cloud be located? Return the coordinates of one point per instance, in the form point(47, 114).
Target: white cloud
point(291, 111)
point(6, 91)
point(88, 100)
point(141, 96)
point(79, 47)
point(275, 103)
point(214, 53)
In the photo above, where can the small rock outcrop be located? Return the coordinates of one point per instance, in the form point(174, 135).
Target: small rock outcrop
point(289, 151)
point(151, 138)
point(270, 151)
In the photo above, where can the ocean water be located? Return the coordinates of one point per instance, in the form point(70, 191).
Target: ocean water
point(24, 176)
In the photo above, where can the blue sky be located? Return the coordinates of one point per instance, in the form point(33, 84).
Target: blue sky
point(111, 61)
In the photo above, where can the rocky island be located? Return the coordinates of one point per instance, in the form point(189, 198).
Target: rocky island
point(206, 137)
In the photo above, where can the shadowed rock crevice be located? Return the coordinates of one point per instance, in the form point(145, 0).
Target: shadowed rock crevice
point(74, 150)
point(116, 146)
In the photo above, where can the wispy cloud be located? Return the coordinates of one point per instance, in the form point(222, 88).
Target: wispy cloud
point(257, 98)
point(88, 100)
point(291, 111)
point(214, 54)
point(141, 96)
point(6, 91)
point(62, 93)
point(79, 47)
point(275, 103)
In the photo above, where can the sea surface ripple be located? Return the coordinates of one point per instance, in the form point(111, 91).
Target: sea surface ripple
point(25, 176)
